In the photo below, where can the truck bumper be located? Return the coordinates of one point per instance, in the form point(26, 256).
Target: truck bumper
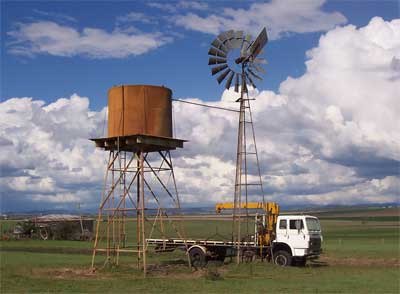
point(312, 254)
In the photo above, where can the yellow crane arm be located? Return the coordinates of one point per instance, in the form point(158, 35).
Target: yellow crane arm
point(268, 207)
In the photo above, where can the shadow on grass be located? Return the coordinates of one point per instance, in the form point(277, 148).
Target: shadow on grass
point(317, 263)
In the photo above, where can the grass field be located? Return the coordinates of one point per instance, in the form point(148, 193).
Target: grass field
point(360, 256)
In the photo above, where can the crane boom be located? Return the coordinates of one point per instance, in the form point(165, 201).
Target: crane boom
point(270, 207)
point(267, 233)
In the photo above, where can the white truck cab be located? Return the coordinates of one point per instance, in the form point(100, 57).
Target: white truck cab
point(298, 238)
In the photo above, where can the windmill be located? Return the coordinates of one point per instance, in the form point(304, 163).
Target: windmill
point(235, 47)
point(233, 55)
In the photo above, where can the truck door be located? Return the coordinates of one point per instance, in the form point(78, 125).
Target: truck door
point(282, 231)
point(296, 235)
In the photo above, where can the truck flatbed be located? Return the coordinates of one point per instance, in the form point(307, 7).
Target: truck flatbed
point(191, 242)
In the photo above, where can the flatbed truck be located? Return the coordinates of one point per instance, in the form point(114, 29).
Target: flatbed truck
point(282, 239)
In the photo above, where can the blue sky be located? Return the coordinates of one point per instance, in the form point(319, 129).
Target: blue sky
point(180, 64)
point(326, 113)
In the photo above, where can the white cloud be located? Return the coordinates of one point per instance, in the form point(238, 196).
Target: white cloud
point(47, 151)
point(77, 198)
point(280, 17)
point(26, 183)
point(351, 85)
point(47, 37)
point(330, 136)
point(175, 6)
point(194, 5)
point(136, 17)
point(55, 16)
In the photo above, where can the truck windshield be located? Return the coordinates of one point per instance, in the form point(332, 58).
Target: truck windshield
point(313, 224)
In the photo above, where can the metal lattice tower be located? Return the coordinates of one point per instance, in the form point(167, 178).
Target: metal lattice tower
point(248, 67)
point(129, 181)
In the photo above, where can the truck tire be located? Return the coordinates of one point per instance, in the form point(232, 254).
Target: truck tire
point(197, 258)
point(282, 258)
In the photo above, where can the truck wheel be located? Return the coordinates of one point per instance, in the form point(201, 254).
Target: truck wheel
point(282, 258)
point(197, 257)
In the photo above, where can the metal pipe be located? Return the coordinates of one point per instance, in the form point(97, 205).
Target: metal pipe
point(205, 105)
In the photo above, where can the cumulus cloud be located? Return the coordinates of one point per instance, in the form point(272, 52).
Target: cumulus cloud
point(48, 155)
point(351, 86)
point(136, 17)
point(174, 7)
point(330, 136)
point(53, 37)
point(281, 17)
point(48, 37)
point(53, 15)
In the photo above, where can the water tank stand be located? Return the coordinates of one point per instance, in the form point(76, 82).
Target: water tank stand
point(139, 172)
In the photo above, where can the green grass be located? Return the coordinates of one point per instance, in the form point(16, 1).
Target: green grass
point(364, 218)
point(36, 272)
point(361, 239)
point(361, 258)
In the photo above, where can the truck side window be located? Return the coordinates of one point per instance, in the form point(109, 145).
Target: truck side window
point(282, 224)
point(293, 222)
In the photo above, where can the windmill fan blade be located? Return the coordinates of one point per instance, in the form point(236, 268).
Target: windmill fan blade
point(236, 43)
point(216, 60)
point(222, 37)
point(260, 61)
point(217, 69)
point(248, 38)
point(254, 75)
point(257, 68)
point(216, 52)
point(237, 83)
point(218, 44)
point(245, 45)
point(229, 80)
point(251, 81)
point(225, 37)
point(223, 75)
point(230, 34)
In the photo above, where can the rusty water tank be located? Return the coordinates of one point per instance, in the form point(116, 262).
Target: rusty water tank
point(139, 109)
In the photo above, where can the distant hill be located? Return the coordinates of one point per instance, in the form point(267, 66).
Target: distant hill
point(328, 211)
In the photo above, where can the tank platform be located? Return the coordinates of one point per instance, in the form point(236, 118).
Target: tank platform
point(139, 142)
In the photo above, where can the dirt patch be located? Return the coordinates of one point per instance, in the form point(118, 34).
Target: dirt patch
point(73, 273)
point(180, 271)
point(66, 273)
point(352, 261)
point(174, 272)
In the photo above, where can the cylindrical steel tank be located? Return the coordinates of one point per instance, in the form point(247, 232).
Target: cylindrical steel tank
point(139, 109)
